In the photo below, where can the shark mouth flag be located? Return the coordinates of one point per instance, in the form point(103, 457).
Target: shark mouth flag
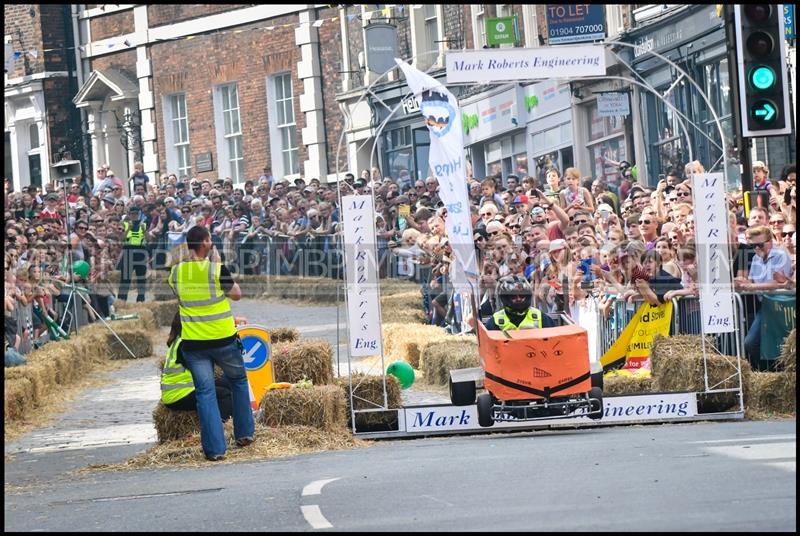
point(440, 109)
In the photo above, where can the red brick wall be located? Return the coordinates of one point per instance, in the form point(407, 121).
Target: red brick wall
point(26, 33)
point(123, 61)
point(161, 14)
point(119, 23)
point(195, 66)
point(330, 51)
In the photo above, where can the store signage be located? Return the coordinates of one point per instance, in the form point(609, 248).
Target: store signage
point(545, 98)
point(613, 104)
point(203, 162)
point(713, 263)
point(518, 64)
point(410, 105)
point(502, 30)
point(575, 23)
point(490, 116)
point(381, 41)
point(361, 268)
point(788, 21)
point(616, 409)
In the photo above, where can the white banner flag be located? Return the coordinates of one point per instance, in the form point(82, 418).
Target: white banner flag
point(441, 112)
point(361, 268)
point(713, 259)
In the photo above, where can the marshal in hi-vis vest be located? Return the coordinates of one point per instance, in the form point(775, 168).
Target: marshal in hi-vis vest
point(134, 238)
point(176, 380)
point(533, 319)
point(204, 309)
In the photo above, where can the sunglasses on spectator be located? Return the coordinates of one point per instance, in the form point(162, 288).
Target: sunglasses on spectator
point(515, 227)
point(645, 222)
point(781, 222)
point(683, 194)
point(82, 228)
point(486, 213)
point(578, 222)
point(186, 210)
point(759, 245)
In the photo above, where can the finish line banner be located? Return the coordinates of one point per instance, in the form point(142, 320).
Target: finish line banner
point(507, 64)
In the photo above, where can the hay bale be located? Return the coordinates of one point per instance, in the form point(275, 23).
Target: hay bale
point(627, 385)
point(172, 424)
point(405, 342)
point(390, 287)
point(677, 364)
point(788, 358)
point(404, 316)
point(368, 391)
point(312, 359)
point(773, 392)
point(322, 406)
point(17, 397)
point(439, 358)
point(404, 307)
point(284, 335)
point(136, 339)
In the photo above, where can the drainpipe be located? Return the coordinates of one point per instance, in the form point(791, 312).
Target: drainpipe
point(76, 42)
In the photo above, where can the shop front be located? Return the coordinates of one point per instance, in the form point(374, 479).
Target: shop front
point(494, 133)
point(549, 127)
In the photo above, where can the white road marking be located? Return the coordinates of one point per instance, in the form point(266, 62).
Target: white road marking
point(766, 451)
point(315, 488)
point(747, 439)
point(248, 357)
point(314, 517)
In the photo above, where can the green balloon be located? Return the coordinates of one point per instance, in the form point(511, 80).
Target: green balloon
point(403, 372)
point(635, 172)
point(81, 268)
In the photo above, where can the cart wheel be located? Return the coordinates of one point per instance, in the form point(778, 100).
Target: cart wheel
point(597, 380)
point(462, 393)
point(485, 417)
point(597, 393)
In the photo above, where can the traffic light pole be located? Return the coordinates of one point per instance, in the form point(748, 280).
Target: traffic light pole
point(743, 144)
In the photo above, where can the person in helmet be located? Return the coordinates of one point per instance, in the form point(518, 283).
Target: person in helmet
point(516, 294)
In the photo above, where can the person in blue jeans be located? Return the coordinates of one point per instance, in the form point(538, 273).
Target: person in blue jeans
point(208, 330)
point(770, 269)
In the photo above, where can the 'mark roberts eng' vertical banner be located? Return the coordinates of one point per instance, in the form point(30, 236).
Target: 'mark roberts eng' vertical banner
point(361, 268)
point(713, 259)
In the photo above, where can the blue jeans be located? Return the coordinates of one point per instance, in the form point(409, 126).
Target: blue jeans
point(752, 342)
point(201, 364)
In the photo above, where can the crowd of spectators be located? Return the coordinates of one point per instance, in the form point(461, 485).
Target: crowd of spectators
point(617, 240)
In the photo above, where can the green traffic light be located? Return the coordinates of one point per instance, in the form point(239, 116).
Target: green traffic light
point(762, 77)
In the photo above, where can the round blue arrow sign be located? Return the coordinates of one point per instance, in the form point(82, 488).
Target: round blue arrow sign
point(256, 352)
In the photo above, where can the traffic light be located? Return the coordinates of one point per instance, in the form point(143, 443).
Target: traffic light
point(761, 58)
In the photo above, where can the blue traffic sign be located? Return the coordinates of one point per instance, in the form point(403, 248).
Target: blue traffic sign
point(256, 351)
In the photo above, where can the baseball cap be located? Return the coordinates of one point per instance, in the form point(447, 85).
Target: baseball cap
point(110, 199)
point(537, 210)
point(308, 189)
point(51, 197)
point(494, 226)
point(557, 244)
point(604, 207)
point(133, 208)
point(520, 199)
point(299, 181)
point(180, 185)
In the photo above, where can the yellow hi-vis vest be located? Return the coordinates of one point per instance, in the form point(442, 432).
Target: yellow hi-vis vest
point(134, 238)
point(176, 380)
point(533, 319)
point(204, 309)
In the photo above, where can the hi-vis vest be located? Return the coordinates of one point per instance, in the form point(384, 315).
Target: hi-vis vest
point(134, 238)
point(176, 381)
point(204, 309)
point(533, 319)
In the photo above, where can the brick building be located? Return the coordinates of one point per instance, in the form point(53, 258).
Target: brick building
point(39, 80)
point(210, 90)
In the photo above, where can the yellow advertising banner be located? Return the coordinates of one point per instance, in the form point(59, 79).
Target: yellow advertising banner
point(634, 343)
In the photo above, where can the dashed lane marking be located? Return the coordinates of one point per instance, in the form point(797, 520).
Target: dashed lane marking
point(314, 517)
point(315, 488)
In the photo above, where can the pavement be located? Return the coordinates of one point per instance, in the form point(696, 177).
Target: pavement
point(112, 423)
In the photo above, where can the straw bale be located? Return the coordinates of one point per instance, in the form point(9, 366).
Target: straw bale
point(136, 339)
point(627, 385)
point(677, 364)
point(390, 287)
point(18, 396)
point(368, 394)
point(312, 359)
point(322, 406)
point(439, 358)
point(788, 358)
point(405, 307)
point(772, 392)
point(405, 342)
point(404, 316)
point(283, 335)
point(172, 424)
